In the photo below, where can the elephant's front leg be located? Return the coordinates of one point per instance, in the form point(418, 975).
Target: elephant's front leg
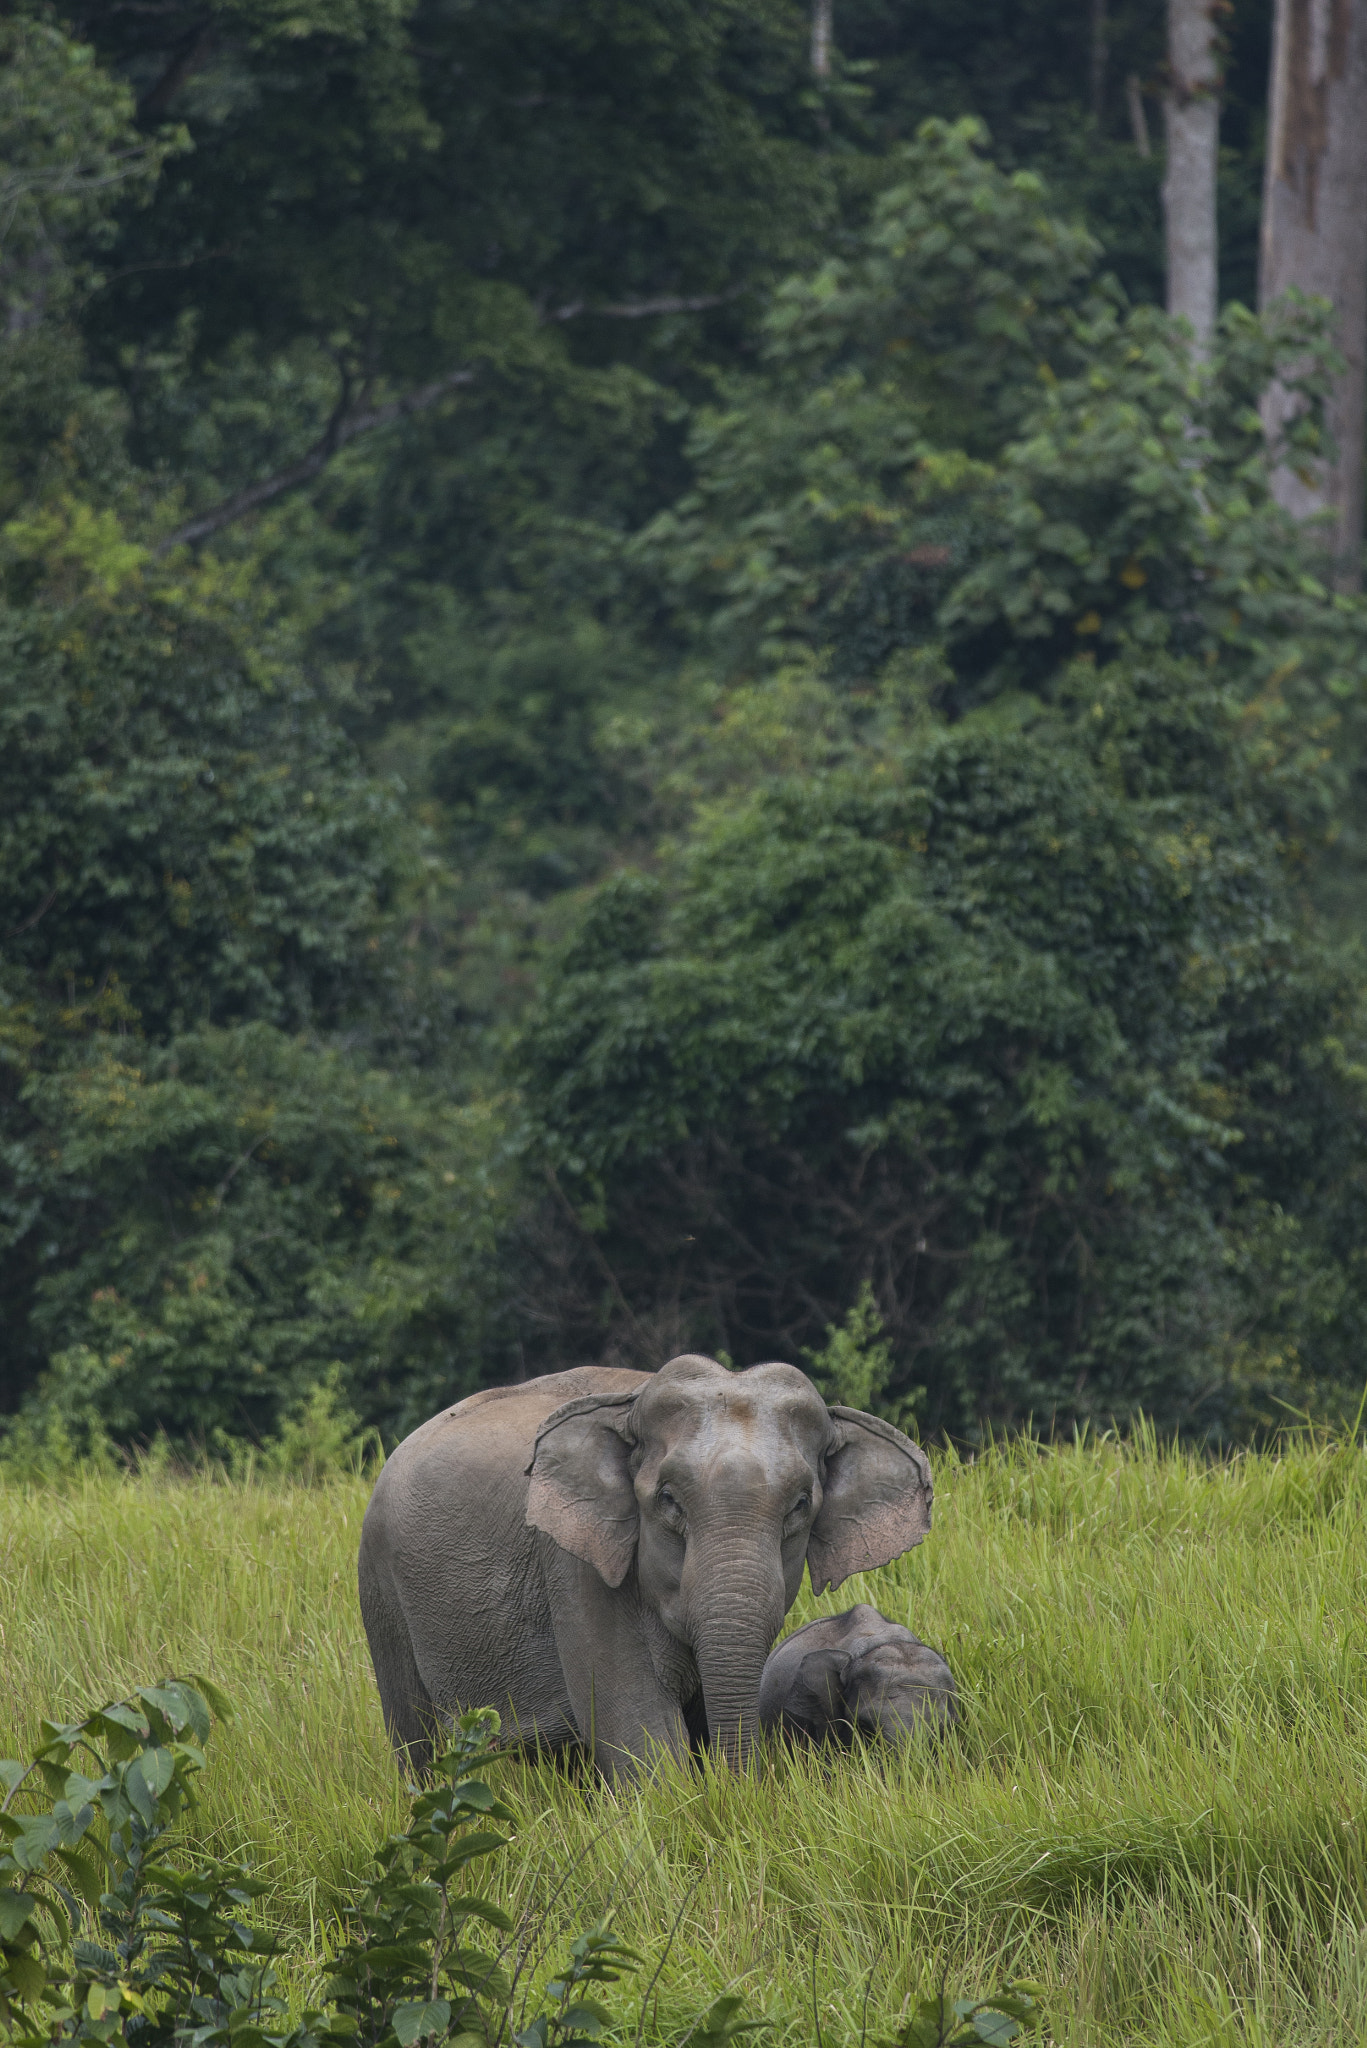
point(623, 1707)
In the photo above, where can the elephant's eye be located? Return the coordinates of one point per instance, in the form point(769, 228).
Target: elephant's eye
point(669, 1507)
point(799, 1511)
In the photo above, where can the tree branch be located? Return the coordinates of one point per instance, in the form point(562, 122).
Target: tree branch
point(40, 912)
point(346, 423)
point(191, 54)
point(344, 426)
point(644, 309)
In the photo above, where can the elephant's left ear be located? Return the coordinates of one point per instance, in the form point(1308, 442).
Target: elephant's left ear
point(877, 1493)
point(581, 1491)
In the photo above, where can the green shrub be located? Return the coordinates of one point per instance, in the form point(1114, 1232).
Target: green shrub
point(106, 1936)
point(243, 1212)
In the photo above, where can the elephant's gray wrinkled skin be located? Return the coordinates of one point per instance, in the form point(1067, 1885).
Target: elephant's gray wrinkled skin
point(852, 1674)
point(598, 1551)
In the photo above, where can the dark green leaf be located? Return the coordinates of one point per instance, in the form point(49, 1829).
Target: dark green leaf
point(15, 1910)
point(427, 2017)
point(997, 2028)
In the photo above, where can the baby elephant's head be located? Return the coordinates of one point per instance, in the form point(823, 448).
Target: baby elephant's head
point(852, 1674)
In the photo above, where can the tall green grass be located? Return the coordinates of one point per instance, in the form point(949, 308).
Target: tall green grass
point(1158, 1805)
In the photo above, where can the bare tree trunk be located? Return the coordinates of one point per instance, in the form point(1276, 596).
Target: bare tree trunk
point(822, 29)
point(1100, 52)
point(1139, 125)
point(1314, 237)
point(1192, 110)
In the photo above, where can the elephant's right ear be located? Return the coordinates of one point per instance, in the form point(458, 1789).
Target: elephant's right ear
point(878, 1491)
point(581, 1491)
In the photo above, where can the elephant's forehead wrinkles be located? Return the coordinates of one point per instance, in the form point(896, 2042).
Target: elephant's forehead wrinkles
point(694, 1386)
point(731, 1425)
point(774, 1437)
point(683, 1420)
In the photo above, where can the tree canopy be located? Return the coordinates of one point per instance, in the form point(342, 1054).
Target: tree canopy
point(648, 703)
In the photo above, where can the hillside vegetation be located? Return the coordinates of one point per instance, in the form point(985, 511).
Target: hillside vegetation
point(641, 701)
point(1156, 1806)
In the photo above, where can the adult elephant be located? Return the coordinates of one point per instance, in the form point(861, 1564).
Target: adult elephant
point(607, 1556)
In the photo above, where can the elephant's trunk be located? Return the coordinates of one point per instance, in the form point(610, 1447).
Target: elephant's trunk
point(736, 1616)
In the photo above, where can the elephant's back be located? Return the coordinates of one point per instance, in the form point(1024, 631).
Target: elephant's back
point(527, 1403)
point(494, 1429)
point(460, 1479)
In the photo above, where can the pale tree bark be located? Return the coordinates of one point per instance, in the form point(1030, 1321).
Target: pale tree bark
point(1191, 107)
point(822, 29)
point(1314, 237)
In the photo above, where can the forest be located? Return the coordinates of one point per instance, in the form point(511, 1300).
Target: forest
point(650, 700)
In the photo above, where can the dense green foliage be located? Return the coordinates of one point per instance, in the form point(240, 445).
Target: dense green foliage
point(1154, 1806)
point(1022, 1030)
point(642, 699)
point(207, 1203)
point(1002, 990)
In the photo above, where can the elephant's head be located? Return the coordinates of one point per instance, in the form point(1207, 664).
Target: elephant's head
point(895, 1688)
point(716, 1486)
point(901, 1688)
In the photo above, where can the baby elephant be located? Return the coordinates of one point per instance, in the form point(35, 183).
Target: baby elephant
point(855, 1673)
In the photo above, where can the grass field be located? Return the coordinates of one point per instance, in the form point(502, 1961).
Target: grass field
point(1158, 1806)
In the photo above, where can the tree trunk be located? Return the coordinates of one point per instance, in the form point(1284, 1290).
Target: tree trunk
point(1099, 53)
point(1314, 237)
point(822, 29)
point(1192, 110)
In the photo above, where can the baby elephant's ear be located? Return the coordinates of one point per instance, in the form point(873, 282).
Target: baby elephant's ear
point(819, 1694)
point(581, 1491)
point(877, 1493)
